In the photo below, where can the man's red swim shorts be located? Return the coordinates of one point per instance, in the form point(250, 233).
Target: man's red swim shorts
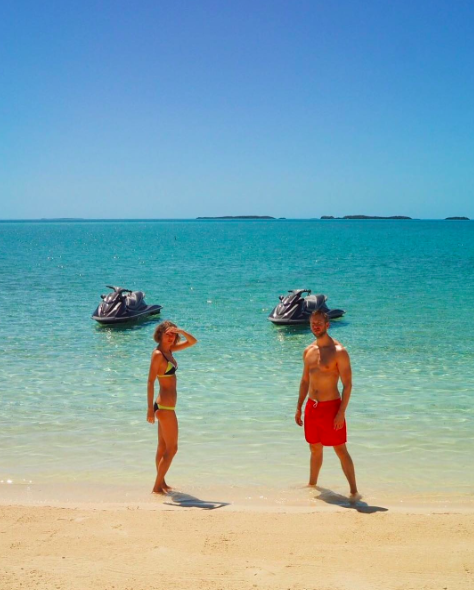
point(319, 423)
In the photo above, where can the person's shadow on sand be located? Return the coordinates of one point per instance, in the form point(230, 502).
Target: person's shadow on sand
point(187, 501)
point(331, 497)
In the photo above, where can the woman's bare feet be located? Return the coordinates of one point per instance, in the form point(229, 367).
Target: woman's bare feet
point(162, 488)
point(161, 491)
point(355, 497)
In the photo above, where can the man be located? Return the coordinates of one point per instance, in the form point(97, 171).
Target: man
point(325, 362)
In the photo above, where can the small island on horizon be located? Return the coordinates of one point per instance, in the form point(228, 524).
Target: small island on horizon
point(366, 217)
point(391, 217)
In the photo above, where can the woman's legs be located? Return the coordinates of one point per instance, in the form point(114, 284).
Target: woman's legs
point(167, 447)
point(159, 453)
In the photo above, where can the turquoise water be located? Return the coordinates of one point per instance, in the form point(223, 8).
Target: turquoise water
point(74, 394)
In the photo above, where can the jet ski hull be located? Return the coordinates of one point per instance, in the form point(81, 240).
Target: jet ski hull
point(283, 322)
point(104, 320)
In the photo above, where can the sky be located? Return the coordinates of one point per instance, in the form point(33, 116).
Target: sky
point(178, 109)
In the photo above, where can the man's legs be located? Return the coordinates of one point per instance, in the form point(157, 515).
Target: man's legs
point(315, 462)
point(348, 468)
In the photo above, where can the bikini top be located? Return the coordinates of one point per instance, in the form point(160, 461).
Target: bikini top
point(170, 368)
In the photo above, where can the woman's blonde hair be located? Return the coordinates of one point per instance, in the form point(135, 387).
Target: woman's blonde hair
point(161, 329)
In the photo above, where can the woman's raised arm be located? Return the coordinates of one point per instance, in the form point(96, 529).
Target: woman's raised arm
point(190, 340)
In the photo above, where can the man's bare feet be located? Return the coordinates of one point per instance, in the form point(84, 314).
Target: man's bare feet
point(167, 487)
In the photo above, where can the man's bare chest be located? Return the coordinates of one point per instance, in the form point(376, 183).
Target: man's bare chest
point(322, 360)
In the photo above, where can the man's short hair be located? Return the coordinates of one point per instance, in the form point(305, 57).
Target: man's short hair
point(321, 314)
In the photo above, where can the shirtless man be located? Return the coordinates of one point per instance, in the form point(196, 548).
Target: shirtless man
point(325, 362)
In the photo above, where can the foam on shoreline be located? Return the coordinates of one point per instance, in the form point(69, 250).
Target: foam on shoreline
point(230, 498)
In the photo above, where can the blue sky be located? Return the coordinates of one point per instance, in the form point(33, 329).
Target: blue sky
point(154, 109)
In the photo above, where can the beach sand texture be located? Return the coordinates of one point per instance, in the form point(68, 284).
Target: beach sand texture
point(135, 549)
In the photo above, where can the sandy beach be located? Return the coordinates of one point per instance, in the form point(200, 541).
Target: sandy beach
point(330, 547)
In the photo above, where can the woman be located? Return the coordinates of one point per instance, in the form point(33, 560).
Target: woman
point(163, 367)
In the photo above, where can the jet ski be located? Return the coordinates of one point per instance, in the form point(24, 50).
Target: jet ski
point(123, 306)
point(296, 309)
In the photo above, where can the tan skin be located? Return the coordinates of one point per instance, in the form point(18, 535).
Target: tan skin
point(167, 421)
point(325, 362)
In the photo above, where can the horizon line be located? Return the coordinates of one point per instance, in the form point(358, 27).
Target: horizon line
point(229, 218)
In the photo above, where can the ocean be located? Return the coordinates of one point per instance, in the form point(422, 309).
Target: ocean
point(73, 393)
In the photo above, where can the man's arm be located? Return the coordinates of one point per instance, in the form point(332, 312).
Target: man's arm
point(345, 373)
point(304, 385)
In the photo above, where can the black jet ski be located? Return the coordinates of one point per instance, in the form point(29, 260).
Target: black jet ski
point(123, 306)
point(296, 309)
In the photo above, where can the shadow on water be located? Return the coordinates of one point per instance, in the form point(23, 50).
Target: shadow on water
point(335, 499)
point(289, 331)
point(292, 328)
point(187, 501)
point(128, 326)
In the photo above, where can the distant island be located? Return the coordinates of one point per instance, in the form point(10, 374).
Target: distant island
point(241, 217)
point(365, 217)
point(457, 219)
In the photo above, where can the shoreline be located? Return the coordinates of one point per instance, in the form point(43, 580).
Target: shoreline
point(297, 499)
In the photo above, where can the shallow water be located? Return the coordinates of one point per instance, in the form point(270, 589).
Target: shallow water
point(74, 394)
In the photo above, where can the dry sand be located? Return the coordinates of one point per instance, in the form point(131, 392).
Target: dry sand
point(131, 548)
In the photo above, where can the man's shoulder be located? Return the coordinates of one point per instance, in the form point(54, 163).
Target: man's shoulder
point(310, 348)
point(340, 348)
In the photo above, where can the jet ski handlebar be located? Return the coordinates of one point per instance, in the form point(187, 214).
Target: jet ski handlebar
point(294, 294)
point(118, 289)
point(299, 291)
